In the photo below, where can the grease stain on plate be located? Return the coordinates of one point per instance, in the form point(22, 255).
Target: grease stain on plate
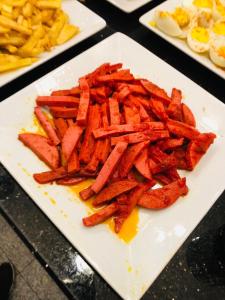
point(130, 226)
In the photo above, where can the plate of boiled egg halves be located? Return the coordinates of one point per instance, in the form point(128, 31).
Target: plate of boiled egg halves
point(197, 27)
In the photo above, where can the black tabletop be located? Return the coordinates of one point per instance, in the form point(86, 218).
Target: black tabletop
point(197, 270)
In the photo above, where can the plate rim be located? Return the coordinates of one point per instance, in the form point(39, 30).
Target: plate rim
point(128, 9)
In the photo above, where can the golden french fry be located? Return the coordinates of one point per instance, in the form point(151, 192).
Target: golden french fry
point(30, 27)
point(17, 64)
point(12, 40)
point(6, 58)
point(56, 28)
point(6, 22)
point(47, 15)
point(67, 33)
point(11, 48)
point(27, 10)
point(4, 29)
point(48, 4)
point(7, 8)
point(27, 48)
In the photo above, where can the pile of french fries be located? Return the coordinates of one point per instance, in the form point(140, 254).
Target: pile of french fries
point(30, 27)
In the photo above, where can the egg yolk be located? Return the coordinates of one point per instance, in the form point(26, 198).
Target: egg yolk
point(220, 7)
point(221, 51)
point(181, 17)
point(163, 14)
point(203, 3)
point(200, 34)
point(219, 28)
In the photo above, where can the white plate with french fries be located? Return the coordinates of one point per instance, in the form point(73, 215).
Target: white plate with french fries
point(34, 31)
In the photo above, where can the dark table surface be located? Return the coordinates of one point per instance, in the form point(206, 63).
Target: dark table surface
point(193, 273)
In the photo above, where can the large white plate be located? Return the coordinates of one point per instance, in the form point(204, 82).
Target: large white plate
point(180, 44)
point(88, 22)
point(128, 6)
point(129, 268)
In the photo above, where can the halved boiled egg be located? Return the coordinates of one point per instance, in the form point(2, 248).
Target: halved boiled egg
point(174, 24)
point(198, 5)
point(217, 52)
point(198, 39)
point(218, 9)
point(218, 29)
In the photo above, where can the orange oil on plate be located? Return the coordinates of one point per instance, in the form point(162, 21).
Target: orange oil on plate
point(130, 227)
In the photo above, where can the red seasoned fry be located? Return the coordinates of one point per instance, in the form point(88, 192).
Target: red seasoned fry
point(84, 102)
point(113, 190)
point(144, 114)
point(165, 196)
point(70, 141)
point(126, 128)
point(61, 93)
point(73, 165)
point(114, 112)
point(167, 176)
point(42, 148)
point(169, 144)
point(131, 115)
point(61, 127)
point(63, 112)
point(66, 101)
point(50, 176)
point(131, 138)
point(101, 215)
point(174, 110)
point(142, 165)
point(70, 181)
point(187, 115)
point(47, 126)
point(88, 144)
point(158, 109)
point(197, 148)
point(182, 129)
point(86, 193)
point(123, 75)
point(127, 205)
point(109, 166)
point(129, 158)
point(156, 91)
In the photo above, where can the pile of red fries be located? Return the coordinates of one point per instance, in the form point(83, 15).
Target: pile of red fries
point(127, 133)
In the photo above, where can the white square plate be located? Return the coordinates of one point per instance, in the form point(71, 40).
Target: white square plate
point(129, 268)
point(128, 6)
point(179, 43)
point(88, 22)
